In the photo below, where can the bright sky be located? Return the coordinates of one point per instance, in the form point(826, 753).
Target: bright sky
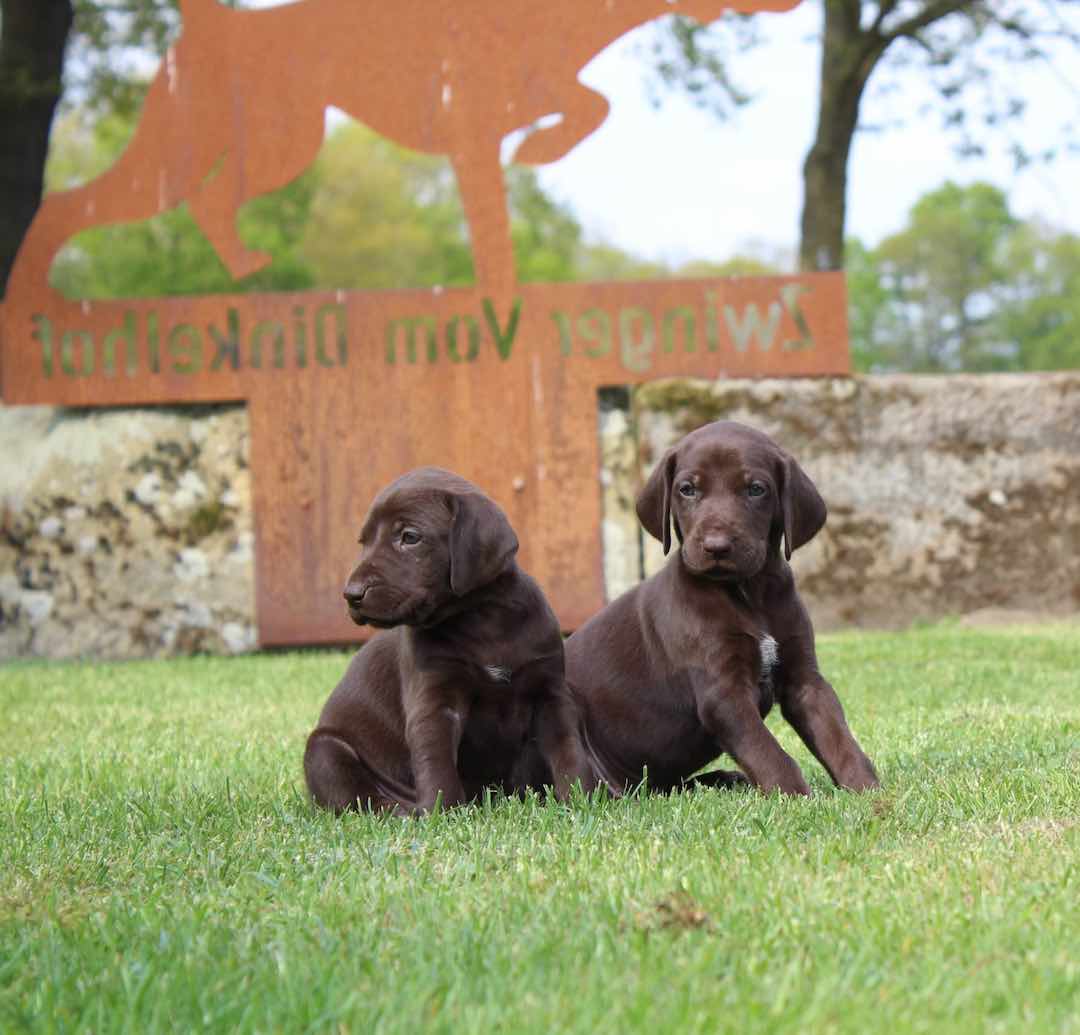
point(676, 184)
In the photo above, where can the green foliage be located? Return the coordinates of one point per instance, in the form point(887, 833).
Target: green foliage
point(546, 235)
point(599, 261)
point(110, 46)
point(162, 870)
point(966, 286)
point(946, 266)
point(736, 266)
point(384, 217)
point(1043, 317)
point(696, 59)
point(869, 315)
point(367, 215)
point(168, 255)
point(82, 146)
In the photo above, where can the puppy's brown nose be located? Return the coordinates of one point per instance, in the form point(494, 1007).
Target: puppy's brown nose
point(717, 545)
point(354, 593)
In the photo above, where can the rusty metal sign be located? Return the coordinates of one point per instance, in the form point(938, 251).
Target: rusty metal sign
point(348, 389)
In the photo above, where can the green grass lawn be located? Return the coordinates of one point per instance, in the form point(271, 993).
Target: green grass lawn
point(161, 869)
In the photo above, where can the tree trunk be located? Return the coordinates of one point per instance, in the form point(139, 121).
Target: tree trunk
point(821, 242)
point(848, 56)
point(33, 36)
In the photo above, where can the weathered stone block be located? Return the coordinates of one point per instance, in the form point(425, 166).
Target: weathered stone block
point(947, 495)
point(124, 532)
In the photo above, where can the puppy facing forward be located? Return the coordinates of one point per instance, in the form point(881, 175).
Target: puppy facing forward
point(466, 689)
point(685, 666)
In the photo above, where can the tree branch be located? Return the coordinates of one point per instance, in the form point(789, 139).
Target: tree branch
point(931, 13)
point(885, 8)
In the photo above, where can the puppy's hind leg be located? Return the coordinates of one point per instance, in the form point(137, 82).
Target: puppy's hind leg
point(338, 779)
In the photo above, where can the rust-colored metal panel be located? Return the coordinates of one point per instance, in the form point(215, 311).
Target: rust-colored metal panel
point(346, 390)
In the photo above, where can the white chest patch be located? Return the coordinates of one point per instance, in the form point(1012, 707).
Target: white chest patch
point(770, 658)
point(498, 673)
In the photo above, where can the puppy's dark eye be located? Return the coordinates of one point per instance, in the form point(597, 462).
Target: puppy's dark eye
point(756, 489)
point(687, 489)
point(409, 537)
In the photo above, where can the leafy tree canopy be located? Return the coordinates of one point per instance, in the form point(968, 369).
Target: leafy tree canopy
point(966, 285)
point(368, 215)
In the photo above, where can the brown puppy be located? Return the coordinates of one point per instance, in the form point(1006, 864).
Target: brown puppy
point(686, 665)
point(467, 689)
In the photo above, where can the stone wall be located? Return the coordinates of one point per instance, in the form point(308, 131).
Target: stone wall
point(124, 533)
point(128, 532)
point(947, 495)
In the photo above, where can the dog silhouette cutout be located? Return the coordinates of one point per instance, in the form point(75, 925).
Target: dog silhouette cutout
point(236, 109)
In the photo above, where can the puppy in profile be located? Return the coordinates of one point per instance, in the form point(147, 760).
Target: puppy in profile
point(466, 689)
point(687, 665)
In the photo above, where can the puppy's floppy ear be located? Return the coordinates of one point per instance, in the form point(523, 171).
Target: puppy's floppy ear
point(801, 505)
point(482, 542)
point(654, 500)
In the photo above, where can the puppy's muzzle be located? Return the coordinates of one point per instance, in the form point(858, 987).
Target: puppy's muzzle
point(721, 556)
point(378, 604)
point(355, 593)
point(364, 609)
point(717, 546)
